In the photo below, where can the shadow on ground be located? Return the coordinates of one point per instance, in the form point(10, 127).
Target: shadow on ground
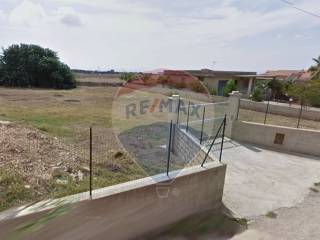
point(218, 225)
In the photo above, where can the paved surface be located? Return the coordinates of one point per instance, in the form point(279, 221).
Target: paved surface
point(260, 180)
point(299, 223)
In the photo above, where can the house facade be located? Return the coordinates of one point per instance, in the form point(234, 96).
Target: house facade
point(218, 79)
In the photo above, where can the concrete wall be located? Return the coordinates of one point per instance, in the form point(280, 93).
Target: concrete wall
point(188, 148)
point(125, 211)
point(308, 114)
point(295, 140)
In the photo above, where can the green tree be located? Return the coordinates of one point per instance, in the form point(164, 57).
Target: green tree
point(277, 88)
point(307, 93)
point(33, 66)
point(315, 69)
point(229, 87)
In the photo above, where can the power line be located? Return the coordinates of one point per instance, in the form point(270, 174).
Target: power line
point(300, 9)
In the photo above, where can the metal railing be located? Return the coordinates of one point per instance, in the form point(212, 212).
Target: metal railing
point(223, 128)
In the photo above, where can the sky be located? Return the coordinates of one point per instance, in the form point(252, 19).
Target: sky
point(142, 35)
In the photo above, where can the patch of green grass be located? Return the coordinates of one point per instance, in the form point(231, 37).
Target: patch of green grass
point(61, 119)
point(13, 190)
point(272, 215)
point(102, 177)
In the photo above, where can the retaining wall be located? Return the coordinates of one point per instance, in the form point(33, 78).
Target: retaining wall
point(294, 140)
point(188, 147)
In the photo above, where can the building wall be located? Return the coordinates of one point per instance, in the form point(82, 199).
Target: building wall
point(295, 140)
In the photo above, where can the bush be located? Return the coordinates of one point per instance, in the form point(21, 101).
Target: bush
point(127, 76)
point(257, 94)
point(197, 87)
point(33, 66)
point(229, 87)
point(212, 91)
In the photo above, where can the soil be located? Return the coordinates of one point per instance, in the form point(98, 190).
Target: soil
point(33, 154)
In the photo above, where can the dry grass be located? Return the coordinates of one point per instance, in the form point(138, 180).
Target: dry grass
point(67, 115)
point(273, 119)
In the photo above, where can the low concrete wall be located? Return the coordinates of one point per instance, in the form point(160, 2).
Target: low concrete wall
point(124, 211)
point(308, 114)
point(295, 140)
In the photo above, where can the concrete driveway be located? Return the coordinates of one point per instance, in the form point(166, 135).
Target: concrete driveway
point(260, 180)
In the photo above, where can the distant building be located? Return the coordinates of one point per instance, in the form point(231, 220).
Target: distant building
point(218, 79)
point(298, 76)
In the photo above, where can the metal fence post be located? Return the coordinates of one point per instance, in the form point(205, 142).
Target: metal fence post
point(90, 181)
point(187, 128)
point(265, 117)
point(300, 115)
point(169, 148)
point(178, 115)
point(214, 140)
point(203, 114)
point(222, 139)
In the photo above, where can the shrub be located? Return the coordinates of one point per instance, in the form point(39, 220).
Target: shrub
point(177, 84)
point(213, 91)
point(257, 94)
point(229, 87)
point(127, 76)
point(197, 87)
point(33, 66)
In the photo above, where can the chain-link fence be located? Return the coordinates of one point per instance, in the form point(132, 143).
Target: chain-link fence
point(280, 114)
point(202, 120)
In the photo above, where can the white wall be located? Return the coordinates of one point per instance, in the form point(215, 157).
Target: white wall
point(296, 140)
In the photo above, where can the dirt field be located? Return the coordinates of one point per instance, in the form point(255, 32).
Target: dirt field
point(47, 143)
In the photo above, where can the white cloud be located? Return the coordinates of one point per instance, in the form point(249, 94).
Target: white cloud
point(27, 13)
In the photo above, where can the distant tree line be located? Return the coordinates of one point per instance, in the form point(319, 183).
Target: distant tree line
point(112, 71)
point(33, 66)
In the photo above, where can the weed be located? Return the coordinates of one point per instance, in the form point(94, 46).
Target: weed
point(271, 215)
point(13, 190)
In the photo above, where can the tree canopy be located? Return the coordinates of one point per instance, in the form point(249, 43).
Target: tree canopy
point(33, 66)
point(315, 69)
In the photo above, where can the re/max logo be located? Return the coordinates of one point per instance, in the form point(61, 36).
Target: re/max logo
point(160, 105)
